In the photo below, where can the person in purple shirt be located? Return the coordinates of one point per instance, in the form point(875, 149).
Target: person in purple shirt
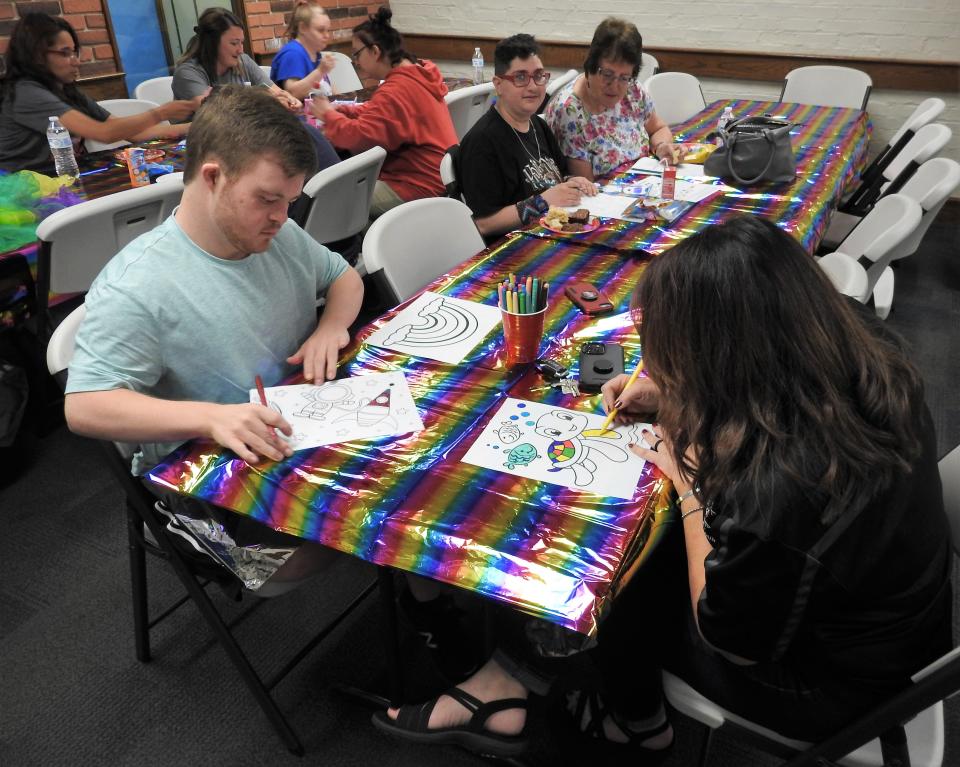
point(299, 66)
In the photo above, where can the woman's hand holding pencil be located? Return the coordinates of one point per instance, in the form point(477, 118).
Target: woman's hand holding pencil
point(625, 398)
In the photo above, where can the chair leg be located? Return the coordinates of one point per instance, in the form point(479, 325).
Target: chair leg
point(883, 293)
point(705, 747)
point(138, 583)
point(239, 659)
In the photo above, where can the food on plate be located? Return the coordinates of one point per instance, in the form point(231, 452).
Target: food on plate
point(581, 216)
point(556, 218)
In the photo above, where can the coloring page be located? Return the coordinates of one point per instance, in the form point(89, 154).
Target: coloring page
point(348, 409)
point(438, 328)
point(560, 446)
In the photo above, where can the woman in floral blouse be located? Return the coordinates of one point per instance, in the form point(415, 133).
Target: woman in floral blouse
point(604, 118)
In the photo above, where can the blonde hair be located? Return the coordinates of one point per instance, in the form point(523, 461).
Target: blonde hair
point(303, 13)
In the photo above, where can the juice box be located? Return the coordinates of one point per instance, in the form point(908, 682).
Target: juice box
point(137, 166)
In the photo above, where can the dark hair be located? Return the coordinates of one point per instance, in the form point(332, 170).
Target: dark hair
point(26, 58)
point(204, 46)
point(303, 13)
point(237, 125)
point(769, 374)
point(614, 40)
point(377, 30)
point(520, 46)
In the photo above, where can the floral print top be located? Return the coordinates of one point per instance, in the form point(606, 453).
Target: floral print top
point(607, 139)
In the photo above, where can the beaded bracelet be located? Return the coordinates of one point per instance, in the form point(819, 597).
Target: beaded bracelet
point(532, 207)
point(692, 511)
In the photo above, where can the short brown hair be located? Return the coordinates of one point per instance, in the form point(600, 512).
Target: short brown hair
point(238, 124)
point(615, 40)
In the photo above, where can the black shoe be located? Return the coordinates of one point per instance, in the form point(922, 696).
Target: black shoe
point(440, 623)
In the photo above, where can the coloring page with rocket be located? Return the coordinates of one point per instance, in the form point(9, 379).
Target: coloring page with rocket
point(560, 446)
point(438, 328)
point(344, 410)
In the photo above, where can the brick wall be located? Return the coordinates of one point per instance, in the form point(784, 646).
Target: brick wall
point(267, 19)
point(86, 16)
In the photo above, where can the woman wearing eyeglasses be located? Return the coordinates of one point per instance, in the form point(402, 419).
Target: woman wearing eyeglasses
point(511, 169)
point(604, 118)
point(42, 66)
point(406, 115)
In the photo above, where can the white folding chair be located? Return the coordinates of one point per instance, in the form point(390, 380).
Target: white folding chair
point(649, 66)
point(157, 89)
point(266, 70)
point(858, 744)
point(676, 96)
point(416, 242)
point(340, 197)
point(121, 108)
point(170, 178)
point(925, 113)
point(931, 186)
point(448, 172)
point(343, 77)
point(926, 142)
point(77, 242)
point(556, 83)
point(827, 86)
point(847, 276)
point(467, 105)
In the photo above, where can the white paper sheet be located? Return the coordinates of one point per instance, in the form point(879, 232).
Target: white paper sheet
point(560, 446)
point(438, 328)
point(348, 409)
point(685, 170)
point(651, 186)
point(609, 205)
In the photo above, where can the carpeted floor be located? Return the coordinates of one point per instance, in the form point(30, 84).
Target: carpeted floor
point(72, 693)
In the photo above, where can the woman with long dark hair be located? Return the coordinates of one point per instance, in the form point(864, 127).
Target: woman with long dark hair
point(42, 64)
point(406, 115)
point(808, 574)
point(214, 56)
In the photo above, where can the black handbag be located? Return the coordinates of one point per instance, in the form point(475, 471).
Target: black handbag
point(755, 149)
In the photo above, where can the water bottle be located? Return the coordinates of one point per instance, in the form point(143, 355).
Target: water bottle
point(477, 66)
point(61, 147)
point(725, 119)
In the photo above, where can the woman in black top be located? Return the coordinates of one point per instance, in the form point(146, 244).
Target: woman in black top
point(39, 82)
point(808, 573)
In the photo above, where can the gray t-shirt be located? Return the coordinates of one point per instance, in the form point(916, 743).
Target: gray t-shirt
point(23, 127)
point(190, 80)
point(167, 319)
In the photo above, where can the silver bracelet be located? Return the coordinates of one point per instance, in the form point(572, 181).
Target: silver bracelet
point(692, 511)
point(684, 496)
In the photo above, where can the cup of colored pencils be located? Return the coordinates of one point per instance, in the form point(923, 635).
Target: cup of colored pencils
point(523, 305)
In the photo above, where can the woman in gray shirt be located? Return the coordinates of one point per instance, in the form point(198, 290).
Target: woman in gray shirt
point(42, 66)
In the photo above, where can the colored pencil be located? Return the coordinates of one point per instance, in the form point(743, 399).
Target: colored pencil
point(261, 392)
point(630, 381)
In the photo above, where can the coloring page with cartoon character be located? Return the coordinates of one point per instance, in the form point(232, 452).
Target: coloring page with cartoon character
point(560, 446)
point(438, 328)
point(348, 409)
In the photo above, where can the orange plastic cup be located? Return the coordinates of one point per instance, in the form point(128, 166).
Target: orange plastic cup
point(522, 334)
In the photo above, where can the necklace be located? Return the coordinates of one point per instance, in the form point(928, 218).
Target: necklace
point(525, 148)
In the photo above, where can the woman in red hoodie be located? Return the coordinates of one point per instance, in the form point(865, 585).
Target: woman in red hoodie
point(407, 115)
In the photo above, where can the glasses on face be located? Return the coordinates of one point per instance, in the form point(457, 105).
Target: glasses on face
point(609, 76)
point(65, 53)
point(520, 79)
point(356, 54)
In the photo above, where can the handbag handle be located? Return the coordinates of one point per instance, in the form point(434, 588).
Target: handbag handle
point(773, 150)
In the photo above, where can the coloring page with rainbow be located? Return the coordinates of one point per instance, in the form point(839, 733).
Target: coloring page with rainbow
point(345, 410)
point(560, 446)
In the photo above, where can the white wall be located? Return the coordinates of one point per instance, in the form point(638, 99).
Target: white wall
point(921, 29)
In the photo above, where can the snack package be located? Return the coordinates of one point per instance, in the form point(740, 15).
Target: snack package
point(137, 166)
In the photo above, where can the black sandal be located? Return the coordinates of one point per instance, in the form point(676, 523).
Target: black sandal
point(590, 707)
point(411, 724)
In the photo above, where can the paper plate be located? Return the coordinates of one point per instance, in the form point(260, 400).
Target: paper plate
point(591, 224)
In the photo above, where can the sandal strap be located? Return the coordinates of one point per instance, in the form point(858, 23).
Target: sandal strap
point(487, 710)
point(416, 716)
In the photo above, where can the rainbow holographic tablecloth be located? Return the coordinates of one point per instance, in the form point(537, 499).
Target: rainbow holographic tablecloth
point(409, 502)
point(830, 148)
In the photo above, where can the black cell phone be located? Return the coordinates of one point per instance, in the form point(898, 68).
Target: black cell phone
point(599, 362)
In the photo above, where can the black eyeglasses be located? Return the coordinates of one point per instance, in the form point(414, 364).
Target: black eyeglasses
point(356, 54)
point(66, 53)
point(609, 76)
point(520, 79)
